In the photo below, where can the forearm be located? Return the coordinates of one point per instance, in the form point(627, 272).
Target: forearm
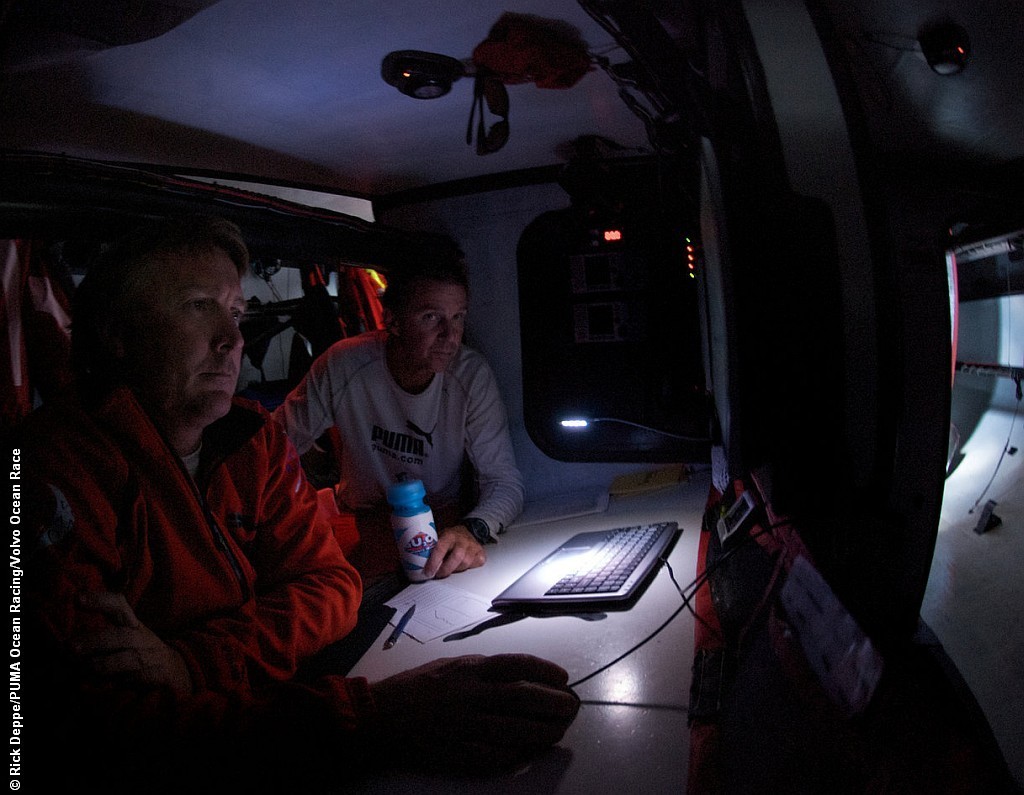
point(489, 447)
point(500, 501)
point(269, 637)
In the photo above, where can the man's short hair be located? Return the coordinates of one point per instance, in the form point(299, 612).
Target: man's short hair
point(104, 298)
point(404, 283)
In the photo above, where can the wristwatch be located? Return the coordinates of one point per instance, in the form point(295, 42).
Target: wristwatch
point(479, 529)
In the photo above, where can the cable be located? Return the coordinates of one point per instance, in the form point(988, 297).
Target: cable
point(696, 585)
point(687, 600)
point(664, 707)
point(701, 579)
point(999, 463)
point(653, 430)
point(1016, 408)
point(625, 654)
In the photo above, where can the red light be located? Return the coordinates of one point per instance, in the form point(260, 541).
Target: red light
point(612, 234)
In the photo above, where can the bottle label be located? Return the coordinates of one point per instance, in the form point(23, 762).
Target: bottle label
point(416, 537)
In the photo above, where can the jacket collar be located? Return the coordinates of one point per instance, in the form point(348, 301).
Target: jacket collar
point(126, 419)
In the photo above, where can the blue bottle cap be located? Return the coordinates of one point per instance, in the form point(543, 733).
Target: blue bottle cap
point(408, 492)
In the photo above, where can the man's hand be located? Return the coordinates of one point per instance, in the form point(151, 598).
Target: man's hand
point(128, 649)
point(475, 712)
point(456, 550)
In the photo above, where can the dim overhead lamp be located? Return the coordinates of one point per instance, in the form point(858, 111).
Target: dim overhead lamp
point(581, 423)
point(946, 47)
point(421, 75)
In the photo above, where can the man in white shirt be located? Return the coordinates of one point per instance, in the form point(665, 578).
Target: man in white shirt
point(411, 401)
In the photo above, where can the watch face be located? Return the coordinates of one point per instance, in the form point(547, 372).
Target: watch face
point(478, 527)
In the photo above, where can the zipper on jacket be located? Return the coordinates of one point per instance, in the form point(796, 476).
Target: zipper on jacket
point(219, 537)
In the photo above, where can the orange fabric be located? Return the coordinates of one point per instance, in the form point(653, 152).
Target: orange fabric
point(521, 48)
point(245, 585)
point(125, 515)
point(343, 525)
point(35, 323)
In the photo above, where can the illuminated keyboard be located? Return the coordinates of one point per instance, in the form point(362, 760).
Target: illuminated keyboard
point(611, 563)
point(597, 568)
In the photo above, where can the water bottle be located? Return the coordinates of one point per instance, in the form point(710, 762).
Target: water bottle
point(413, 524)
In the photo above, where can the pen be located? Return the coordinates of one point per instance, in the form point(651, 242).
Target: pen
point(394, 636)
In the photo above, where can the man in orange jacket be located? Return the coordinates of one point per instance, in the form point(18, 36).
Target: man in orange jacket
point(177, 575)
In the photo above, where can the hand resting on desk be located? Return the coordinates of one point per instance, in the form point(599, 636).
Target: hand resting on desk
point(476, 712)
point(456, 551)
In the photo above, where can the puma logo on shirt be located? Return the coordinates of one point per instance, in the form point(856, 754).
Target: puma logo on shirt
point(429, 436)
point(397, 442)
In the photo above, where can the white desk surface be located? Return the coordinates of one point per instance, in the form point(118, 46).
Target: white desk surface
point(631, 733)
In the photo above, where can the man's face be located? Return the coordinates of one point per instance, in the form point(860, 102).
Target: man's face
point(182, 347)
point(428, 330)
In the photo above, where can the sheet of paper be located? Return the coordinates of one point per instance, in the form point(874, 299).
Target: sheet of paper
point(440, 608)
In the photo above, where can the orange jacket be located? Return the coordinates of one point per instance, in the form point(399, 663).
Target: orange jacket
point(238, 574)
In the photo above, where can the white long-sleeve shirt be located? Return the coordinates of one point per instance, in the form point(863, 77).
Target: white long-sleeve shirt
point(387, 432)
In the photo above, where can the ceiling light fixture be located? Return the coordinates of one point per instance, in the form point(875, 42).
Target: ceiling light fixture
point(421, 75)
point(946, 47)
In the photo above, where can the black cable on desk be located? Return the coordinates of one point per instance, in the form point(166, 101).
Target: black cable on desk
point(698, 581)
point(663, 707)
point(625, 654)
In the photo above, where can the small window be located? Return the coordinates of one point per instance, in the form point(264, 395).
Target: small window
point(610, 329)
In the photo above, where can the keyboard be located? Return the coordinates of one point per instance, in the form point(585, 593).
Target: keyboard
point(611, 563)
point(598, 569)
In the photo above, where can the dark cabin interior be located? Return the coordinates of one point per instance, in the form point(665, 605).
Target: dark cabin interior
point(787, 236)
